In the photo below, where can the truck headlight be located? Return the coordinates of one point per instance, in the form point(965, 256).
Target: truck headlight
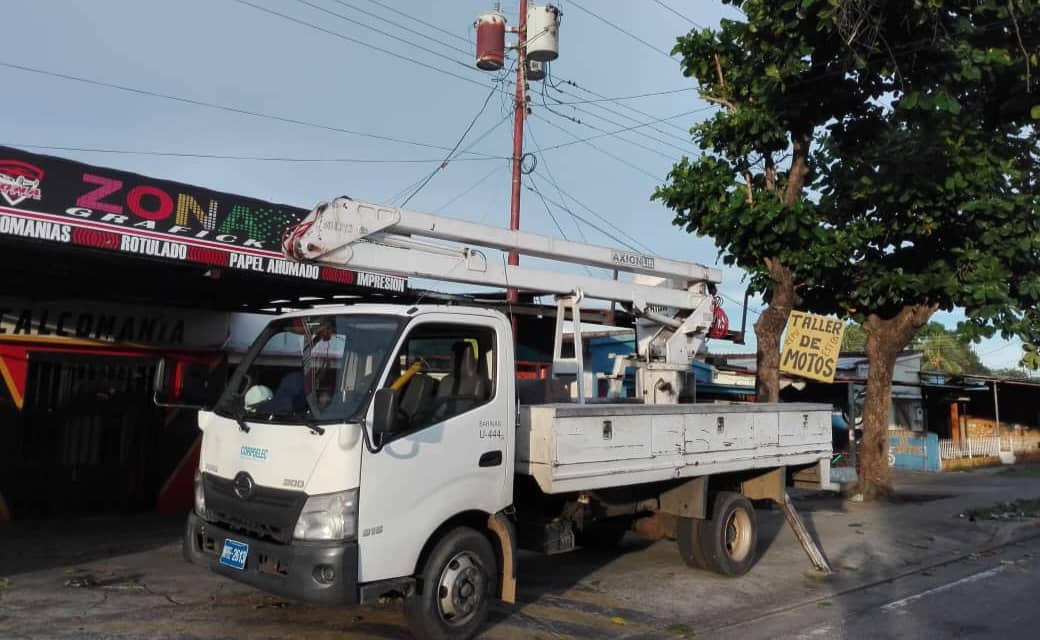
point(200, 495)
point(331, 516)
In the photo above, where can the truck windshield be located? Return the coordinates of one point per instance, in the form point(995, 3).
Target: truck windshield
point(308, 369)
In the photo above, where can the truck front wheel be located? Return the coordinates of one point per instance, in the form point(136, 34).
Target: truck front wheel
point(455, 588)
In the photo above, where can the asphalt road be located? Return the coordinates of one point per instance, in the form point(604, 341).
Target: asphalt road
point(990, 595)
point(919, 569)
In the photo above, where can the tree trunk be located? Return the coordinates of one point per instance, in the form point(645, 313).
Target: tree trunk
point(886, 337)
point(768, 328)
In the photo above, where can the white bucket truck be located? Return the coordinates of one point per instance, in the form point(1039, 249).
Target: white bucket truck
point(366, 451)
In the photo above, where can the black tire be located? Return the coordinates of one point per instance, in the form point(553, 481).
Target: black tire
point(688, 536)
point(729, 540)
point(455, 588)
point(603, 536)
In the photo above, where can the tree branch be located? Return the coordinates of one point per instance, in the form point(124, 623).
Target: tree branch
point(799, 169)
point(723, 101)
point(1018, 33)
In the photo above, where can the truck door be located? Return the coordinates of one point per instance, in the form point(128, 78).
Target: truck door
point(449, 451)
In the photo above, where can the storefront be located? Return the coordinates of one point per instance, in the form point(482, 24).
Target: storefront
point(104, 273)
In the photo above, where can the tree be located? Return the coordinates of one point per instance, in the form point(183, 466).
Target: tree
point(931, 186)
point(1007, 372)
point(908, 124)
point(947, 351)
point(748, 190)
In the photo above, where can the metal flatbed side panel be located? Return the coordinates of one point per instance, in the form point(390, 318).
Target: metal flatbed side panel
point(574, 447)
point(573, 410)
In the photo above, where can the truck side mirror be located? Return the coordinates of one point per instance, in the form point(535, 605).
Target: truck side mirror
point(187, 385)
point(384, 421)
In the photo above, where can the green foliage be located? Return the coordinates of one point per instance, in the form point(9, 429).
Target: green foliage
point(1011, 373)
point(746, 191)
point(854, 338)
point(948, 351)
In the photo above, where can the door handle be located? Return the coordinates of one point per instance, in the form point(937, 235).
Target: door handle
point(491, 458)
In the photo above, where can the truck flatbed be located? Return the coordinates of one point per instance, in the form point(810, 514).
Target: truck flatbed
point(574, 447)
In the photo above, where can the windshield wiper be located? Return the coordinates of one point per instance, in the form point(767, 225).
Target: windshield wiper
point(290, 418)
point(239, 418)
point(315, 428)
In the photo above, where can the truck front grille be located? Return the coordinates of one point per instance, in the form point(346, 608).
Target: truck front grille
point(269, 514)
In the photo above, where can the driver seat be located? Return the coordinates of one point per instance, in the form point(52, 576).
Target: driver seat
point(466, 387)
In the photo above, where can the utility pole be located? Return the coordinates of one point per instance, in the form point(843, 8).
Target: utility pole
point(519, 114)
point(491, 49)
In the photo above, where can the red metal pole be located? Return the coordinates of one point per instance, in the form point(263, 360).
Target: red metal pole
point(519, 113)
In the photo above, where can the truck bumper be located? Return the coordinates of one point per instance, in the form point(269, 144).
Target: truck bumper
point(316, 572)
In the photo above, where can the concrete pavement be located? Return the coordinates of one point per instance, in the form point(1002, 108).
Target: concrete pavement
point(63, 584)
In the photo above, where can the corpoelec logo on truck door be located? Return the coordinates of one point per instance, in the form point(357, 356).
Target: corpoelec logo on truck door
point(255, 453)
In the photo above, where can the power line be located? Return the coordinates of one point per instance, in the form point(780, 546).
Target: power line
point(649, 94)
point(227, 108)
point(364, 25)
point(618, 124)
point(466, 52)
point(633, 243)
point(624, 31)
point(564, 196)
point(596, 147)
point(673, 11)
point(448, 157)
point(604, 131)
point(419, 21)
point(343, 36)
point(220, 156)
point(579, 140)
point(552, 180)
point(556, 87)
point(468, 189)
point(534, 187)
point(586, 221)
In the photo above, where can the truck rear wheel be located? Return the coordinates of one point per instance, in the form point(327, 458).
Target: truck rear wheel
point(455, 588)
point(688, 536)
point(729, 540)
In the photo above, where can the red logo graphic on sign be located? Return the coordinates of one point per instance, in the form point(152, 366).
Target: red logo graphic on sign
point(19, 181)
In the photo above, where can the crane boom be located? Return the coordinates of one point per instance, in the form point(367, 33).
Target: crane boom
point(361, 235)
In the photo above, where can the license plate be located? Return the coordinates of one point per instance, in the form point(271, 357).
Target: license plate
point(234, 554)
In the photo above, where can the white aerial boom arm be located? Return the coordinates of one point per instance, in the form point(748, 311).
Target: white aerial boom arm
point(360, 235)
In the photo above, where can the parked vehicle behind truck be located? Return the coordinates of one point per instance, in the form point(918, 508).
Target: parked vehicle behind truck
point(367, 451)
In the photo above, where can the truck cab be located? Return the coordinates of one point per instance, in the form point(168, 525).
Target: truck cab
point(347, 442)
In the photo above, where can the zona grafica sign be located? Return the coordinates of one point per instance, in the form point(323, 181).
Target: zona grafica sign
point(53, 199)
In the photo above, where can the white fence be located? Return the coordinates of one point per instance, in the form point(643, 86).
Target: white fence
point(982, 447)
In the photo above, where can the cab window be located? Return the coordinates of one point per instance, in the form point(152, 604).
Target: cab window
point(441, 371)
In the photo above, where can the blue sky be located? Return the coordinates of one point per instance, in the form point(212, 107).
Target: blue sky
point(336, 71)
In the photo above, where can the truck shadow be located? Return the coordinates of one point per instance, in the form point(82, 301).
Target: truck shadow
point(36, 545)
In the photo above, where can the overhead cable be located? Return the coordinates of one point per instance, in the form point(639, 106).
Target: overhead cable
point(448, 157)
point(674, 12)
point(221, 156)
point(587, 141)
point(624, 31)
point(222, 107)
point(417, 32)
point(343, 36)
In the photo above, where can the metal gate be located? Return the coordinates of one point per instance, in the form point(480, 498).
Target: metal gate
point(91, 435)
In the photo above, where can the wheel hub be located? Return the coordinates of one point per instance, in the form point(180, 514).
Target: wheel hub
point(738, 535)
point(459, 589)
